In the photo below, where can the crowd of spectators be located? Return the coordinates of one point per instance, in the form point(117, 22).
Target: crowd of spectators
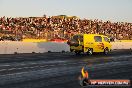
point(61, 27)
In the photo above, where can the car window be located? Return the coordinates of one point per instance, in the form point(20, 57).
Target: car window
point(81, 38)
point(98, 38)
point(76, 37)
point(106, 39)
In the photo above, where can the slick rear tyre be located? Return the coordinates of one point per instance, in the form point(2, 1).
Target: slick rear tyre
point(71, 50)
point(77, 52)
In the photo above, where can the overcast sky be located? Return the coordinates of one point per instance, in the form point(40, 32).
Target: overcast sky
point(113, 10)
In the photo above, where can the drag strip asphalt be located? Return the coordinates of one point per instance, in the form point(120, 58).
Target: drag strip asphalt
point(61, 70)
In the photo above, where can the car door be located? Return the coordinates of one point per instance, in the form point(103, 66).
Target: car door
point(98, 44)
point(107, 42)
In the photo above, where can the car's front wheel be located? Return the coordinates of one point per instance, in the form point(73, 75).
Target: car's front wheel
point(90, 51)
point(106, 51)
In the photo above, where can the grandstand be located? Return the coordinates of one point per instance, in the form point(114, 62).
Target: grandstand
point(61, 26)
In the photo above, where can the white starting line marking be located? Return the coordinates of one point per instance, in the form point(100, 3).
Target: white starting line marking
point(11, 69)
point(21, 68)
point(29, 64)
point(42, 66)
point(5, 65)
point(28, 67)
point(33, 63)
point(3, 69)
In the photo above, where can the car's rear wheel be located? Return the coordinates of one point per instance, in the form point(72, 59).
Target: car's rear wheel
point(77, 52)
point(71, 50)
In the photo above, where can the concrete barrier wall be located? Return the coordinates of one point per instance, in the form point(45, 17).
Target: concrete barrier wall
point(121, 45)
point(9, 47)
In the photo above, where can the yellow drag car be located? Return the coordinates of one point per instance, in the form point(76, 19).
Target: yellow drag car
point(89, 43)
